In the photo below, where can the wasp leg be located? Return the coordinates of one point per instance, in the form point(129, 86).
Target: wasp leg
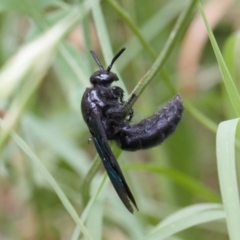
point(153, 130)
point(118, 92)
point(130, 115)
point(120, 114)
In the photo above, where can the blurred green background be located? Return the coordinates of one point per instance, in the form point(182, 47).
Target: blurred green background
point(45, 68)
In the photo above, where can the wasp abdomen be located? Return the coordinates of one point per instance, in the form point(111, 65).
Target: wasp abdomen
point(152, 130)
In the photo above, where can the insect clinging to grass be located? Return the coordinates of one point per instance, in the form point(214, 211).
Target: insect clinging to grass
point(108, 118)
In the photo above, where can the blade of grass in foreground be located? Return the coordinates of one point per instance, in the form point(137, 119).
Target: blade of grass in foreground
point(51, 180)
point(188, 211)
point(88, 208)
point(228, 176)
point(162, 57)
point(227, 79)
point(186, 218)
point(26, 69)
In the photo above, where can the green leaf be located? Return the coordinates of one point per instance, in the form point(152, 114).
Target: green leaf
point(186, 218)
point(231, 54)
point(180, 179)
point(38, 164)
point(227, 79)
point(227, 175)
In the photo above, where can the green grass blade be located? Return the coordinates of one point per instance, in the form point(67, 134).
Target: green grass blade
point(104, 40)
point(200, 117)
point(163, 56)
point(132, 26)
point(57, 143)
point(227, 79)
point(180, 179)
point(51, 180)
point(188, 211)
point(31, 56)
point(27, 68)
point(169, 12)
point(88, 178)
point(186, 218)
point(227, 175)
point(231, 53)
point(87, 209)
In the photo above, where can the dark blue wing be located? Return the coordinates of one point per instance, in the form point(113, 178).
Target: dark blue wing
point(110, 163)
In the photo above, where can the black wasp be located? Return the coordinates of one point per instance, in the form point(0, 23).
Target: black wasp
point(107, 119)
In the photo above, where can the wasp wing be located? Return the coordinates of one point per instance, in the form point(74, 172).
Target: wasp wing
point(110, 163)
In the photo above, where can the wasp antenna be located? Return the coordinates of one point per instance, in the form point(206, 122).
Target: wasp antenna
point(97, 60)
point(115, 58)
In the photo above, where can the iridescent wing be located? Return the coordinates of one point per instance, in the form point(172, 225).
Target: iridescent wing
point(109, 161)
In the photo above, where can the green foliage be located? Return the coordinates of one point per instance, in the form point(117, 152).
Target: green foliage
point(49, 177)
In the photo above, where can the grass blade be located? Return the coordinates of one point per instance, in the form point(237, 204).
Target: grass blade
point(227, 79)
point(179, 178)
point(23, 145)
point(228, 176)
point(186, 218)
